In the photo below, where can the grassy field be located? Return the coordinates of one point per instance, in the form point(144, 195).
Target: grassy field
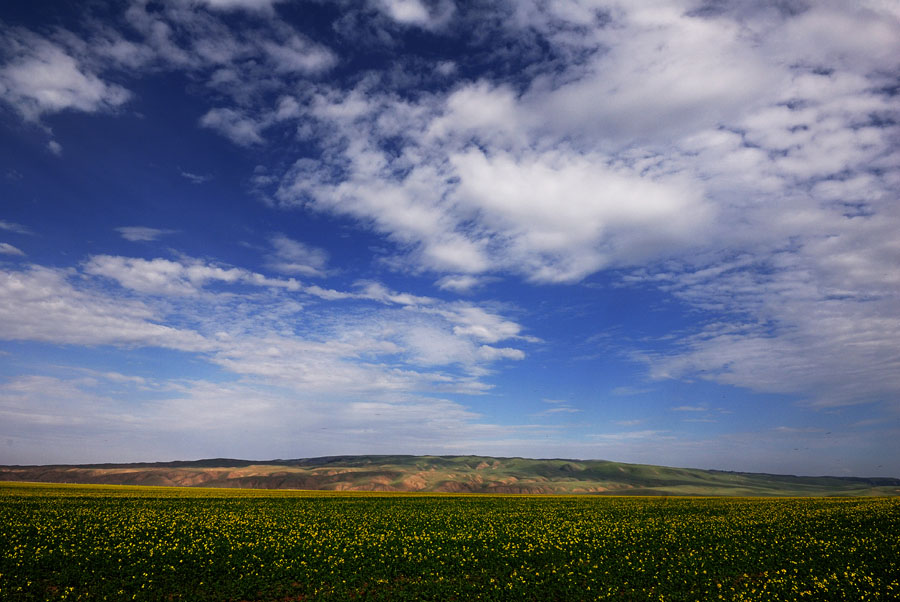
point(147, 543)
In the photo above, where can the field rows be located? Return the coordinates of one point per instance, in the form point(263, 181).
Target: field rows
point(84, 543)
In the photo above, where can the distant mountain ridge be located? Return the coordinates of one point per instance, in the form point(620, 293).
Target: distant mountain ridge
point(453, 474)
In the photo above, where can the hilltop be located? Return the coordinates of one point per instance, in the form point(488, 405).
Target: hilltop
point(455, 474)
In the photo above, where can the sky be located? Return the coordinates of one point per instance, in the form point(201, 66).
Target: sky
point(659, 232)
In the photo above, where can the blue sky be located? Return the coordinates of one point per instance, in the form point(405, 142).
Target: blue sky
point(659, 232)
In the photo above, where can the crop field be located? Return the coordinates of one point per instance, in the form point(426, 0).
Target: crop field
point(141, 543)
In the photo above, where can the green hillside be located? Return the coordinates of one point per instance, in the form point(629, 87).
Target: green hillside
point(456, 474)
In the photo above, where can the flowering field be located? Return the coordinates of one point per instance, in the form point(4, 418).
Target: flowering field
point(132, 543)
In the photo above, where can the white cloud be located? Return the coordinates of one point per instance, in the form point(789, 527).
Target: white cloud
point(161, 276)
point(42, 305)
point(556, 215)
point(562, 410)
point(376, 343)
point(804, 279)
point(201, 418)
point(559, 406)
point(14, 227)
point(819, 322)
point(142, 233)
point(253, 5)
point(489, 112)
point(385, 352)
point(415, 12)
point(299, 55)
point(406, 11)
point(378, 292)
point(480, 324)
point(408, 210)
point(446, 68)
point(460, 283)
point(8, 249)
point(288, 108)
point(294, 257)
point(327, 293)
point(629, 391)
point(430, 345)
point(628, 435)
point(242, 60)
point(793, 430)
point(55, 147)
point(194, 178)
point(665, 73)
point(45, 403)
point(41, 77)
point(333, 366)
point(563, 216)
point(863, 35)
point(234, 125)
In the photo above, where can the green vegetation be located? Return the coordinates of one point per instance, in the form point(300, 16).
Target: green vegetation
point(166, 544)
point(455, 474)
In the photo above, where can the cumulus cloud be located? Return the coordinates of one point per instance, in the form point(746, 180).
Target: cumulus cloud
point(556, 215)
point(158, 276)
point(294, 257)
point(234, 125)
point(405, 11)
point(481, 324)
point(39, 77)
point(565, 216)
point(297, 54)
point(428, 15)
point(666, 73)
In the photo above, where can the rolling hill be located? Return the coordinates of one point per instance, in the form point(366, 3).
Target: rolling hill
point(454, 474)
